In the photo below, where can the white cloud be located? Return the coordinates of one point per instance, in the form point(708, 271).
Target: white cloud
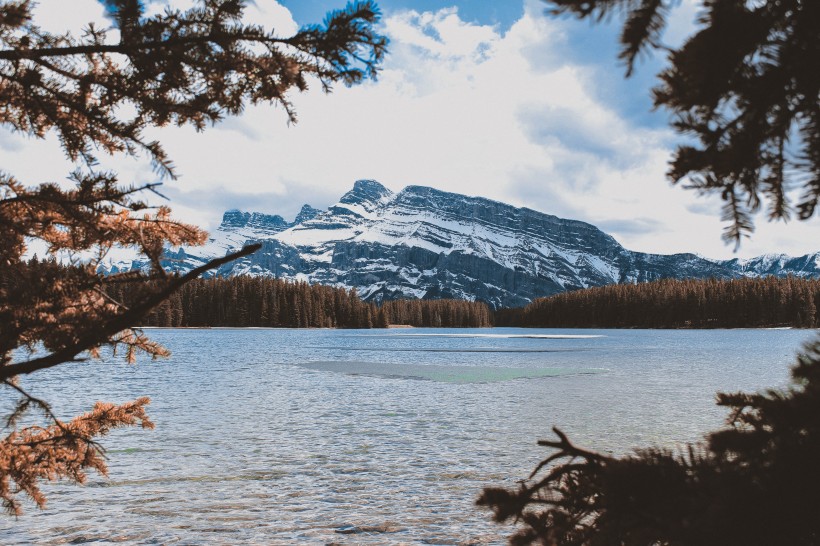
point(459, 106)
point(59, 16)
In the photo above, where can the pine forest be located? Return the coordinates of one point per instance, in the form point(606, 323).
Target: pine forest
point(668, 303)
point(269, 302)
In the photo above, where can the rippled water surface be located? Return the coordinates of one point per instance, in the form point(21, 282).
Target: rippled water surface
point(377, 436)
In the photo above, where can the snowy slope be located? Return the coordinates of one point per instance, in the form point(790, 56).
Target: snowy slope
point(425, 243)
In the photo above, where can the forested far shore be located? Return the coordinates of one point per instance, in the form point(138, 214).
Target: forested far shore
point(669, 303)
point(269, 302)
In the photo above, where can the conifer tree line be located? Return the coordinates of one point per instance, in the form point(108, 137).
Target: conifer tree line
point(437, 313)
point(669, 303)
point(244, 301)
point(270, 302)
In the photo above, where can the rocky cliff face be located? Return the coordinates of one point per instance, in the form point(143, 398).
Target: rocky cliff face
point(426, 243)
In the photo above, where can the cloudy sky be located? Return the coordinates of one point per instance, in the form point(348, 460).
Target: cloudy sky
point(487, 98)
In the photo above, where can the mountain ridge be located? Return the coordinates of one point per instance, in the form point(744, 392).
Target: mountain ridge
point(422, 242)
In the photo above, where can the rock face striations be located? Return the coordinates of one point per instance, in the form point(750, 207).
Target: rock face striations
point(426, 243)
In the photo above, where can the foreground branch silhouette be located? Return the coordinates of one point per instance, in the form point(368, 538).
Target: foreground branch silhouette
point(756, 481)
point(746, 86)
point(99, 92)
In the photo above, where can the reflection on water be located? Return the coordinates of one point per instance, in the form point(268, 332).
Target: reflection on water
point(373, 437)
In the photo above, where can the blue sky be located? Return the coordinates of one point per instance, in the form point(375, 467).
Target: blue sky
point(494, 99)
point(502, 13)
point(587, 44)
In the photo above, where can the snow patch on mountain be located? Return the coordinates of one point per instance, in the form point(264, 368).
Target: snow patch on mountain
point(426, 243)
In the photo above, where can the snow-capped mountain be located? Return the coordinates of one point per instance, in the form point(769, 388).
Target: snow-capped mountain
point(779, 265)
point(426, 243)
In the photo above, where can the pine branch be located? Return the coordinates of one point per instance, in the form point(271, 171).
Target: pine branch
point(119, 323)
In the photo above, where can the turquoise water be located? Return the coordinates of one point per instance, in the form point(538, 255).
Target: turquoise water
point(377, 436)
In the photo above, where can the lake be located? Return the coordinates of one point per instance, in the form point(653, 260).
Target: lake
point(374, 436)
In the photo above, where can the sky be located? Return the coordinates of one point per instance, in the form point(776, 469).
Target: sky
point(485, 98)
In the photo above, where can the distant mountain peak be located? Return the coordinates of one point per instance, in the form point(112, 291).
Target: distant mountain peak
point(271, 223)
point(427, 243)
point(235, 218)
point(306, 213)
point(366, 191)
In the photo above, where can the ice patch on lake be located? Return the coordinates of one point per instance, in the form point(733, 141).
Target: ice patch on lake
point(444, 374)
point(498, 336)
point(449, 349)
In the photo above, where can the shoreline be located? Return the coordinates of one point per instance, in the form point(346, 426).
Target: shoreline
point(407, 326)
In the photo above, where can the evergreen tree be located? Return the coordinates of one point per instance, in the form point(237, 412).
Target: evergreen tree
point(671, 303)
point(754, 482)
point(746, 86)
point(98, 90)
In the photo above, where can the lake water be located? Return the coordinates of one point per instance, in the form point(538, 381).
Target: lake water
point(374, 436)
